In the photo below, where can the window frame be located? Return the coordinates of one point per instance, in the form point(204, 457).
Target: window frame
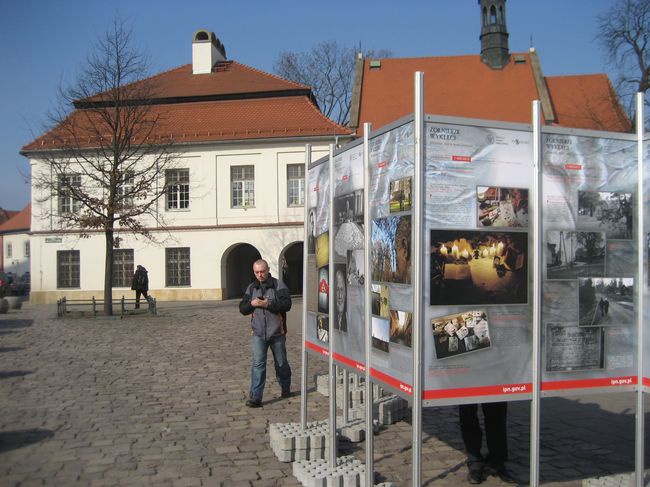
point(67, 203)
point(300, 179)
point(178, 272)
point(127, 268)
point(177, 189)
point(73, 263)
point(9, 250)
point(244, 185)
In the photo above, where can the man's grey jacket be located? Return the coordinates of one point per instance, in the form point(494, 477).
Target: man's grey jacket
point(271, 321)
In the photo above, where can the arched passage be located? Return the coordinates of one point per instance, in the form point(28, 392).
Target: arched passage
point(239, 269)
point(291, 273)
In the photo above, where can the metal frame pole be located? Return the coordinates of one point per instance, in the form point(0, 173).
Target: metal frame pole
point(537, 276)
point(332, 369)
point(639, 452)
point(367, 285)
point(305, 290)
point(416, 243)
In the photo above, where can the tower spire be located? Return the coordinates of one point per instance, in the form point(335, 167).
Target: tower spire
point(494, 33)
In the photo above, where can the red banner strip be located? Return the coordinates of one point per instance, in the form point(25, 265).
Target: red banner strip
point(317, 348)
point(478, 391)
point(646, 381)
point(392, 381)
point(588, 383)
point(349, 362)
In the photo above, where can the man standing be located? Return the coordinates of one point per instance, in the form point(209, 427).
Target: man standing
point(140, 284)
point(267, 299)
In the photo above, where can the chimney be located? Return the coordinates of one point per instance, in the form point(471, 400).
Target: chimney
point(207, 51)
point(494, 33)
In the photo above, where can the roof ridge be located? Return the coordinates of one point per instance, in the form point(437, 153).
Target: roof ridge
point(275, 76)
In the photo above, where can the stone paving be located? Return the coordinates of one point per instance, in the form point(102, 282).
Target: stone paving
point(159, 400)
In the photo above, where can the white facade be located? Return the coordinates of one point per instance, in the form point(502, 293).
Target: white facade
point(211, 228)
point(16, 251)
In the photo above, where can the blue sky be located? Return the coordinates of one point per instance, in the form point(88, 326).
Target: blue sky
point(43, 42)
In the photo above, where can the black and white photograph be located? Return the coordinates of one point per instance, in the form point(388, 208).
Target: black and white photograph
point(356, 267)
point(611, 212)
point(380, 300)
point(460, 333)
point(311, 231)
point(478, 268)
point(348, 221)
point(400, 195)
point(401, 327)
point(502, 207)
point(340, 298)
point(606, 301)
point(571, 254)
point(322, 328)
point(391, 249)
point(570, 348)
point(380, 333)
point(323, 289)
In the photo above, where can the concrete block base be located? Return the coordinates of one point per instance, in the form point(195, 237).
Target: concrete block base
point(290, 443)
point(349, 472)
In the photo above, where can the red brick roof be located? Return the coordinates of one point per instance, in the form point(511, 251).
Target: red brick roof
point(464, 86)
point(234, 102)
point(22, 220)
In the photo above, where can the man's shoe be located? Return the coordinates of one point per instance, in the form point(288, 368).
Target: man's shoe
point(475, 473)
point(504, 474)
point(285, 393)
point(254, 403)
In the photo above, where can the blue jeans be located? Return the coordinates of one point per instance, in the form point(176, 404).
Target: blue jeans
point(258, 371)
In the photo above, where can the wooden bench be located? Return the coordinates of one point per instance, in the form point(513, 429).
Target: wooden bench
point(94, 305)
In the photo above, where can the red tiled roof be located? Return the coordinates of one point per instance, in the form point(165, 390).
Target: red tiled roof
point(22, 220)
point(226, 120)
point(464, 86)
point(228, 78)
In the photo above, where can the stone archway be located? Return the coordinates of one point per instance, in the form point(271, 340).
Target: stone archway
point(292, 273)
point(239, 269)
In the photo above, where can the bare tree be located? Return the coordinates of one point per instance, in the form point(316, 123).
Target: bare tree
point(624, 32)
point(104, 162)
point(329, 69)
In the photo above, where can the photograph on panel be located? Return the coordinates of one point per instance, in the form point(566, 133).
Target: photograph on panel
point(380, 300)
point(574, 348)
point(390, 244)
point(620, 347)
point(380, 333)
point(323, 289)
point(571, 254)
point(340, 298)
point(478, 268)
point(400, 198)
point(311, 231)
point(609, 211)
point(502, 207)
point(401, 327)
point(322, 249)
point(322, 328)
point(356, 267)
point(460, 333)
point(606, 301)
point(348, 220)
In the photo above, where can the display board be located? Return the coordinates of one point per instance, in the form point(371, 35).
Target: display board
point(477, 326)
point(589, 249)
point(646, 267)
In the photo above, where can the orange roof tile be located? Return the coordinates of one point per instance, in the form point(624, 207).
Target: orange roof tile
point(464, 86)
point(22, 220)
point(227, 120)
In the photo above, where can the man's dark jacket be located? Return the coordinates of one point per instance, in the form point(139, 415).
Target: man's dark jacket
point(271, 321)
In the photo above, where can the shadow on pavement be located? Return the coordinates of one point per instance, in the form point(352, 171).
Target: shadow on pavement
point(10, 349)
point(14, 373)
point(11, 440)
point(8, 324)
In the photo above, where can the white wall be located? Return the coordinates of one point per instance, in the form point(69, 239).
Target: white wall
point(18, 263)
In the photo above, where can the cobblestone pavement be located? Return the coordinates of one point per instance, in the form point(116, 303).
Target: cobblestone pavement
point(160, 401)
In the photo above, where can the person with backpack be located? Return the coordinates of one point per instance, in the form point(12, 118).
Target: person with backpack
point(267, 300)
point(140, 284)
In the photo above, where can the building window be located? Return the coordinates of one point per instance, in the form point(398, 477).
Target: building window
point(27, 248)
point(243, 186)
point(177, 182)
point(177, 267)
point(125, 191)
point(296, 184)
point(122, 267)
point(10, 251)
point(67, 269)
point(65, 189)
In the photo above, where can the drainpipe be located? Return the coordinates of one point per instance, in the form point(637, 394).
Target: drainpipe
point(2, 253)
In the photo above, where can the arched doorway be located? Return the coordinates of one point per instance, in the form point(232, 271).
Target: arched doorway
point(291, 273)
point(239, 269)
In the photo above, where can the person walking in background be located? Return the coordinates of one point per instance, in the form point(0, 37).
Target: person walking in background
point(267, 300)
point(140, 284)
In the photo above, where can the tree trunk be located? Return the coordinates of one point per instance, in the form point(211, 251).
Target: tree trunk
point(108, 273)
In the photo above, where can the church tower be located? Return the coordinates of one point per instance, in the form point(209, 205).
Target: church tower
point(494, 33)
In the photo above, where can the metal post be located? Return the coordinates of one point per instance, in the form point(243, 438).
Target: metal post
point(332, 369)
point(346, 396)
point(305, 290)
point(417, 244)
point(367, 315)
point(536, 197)
point(641, 245)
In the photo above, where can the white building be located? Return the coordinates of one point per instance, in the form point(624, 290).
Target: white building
point(238, 193)
point(15, 243)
